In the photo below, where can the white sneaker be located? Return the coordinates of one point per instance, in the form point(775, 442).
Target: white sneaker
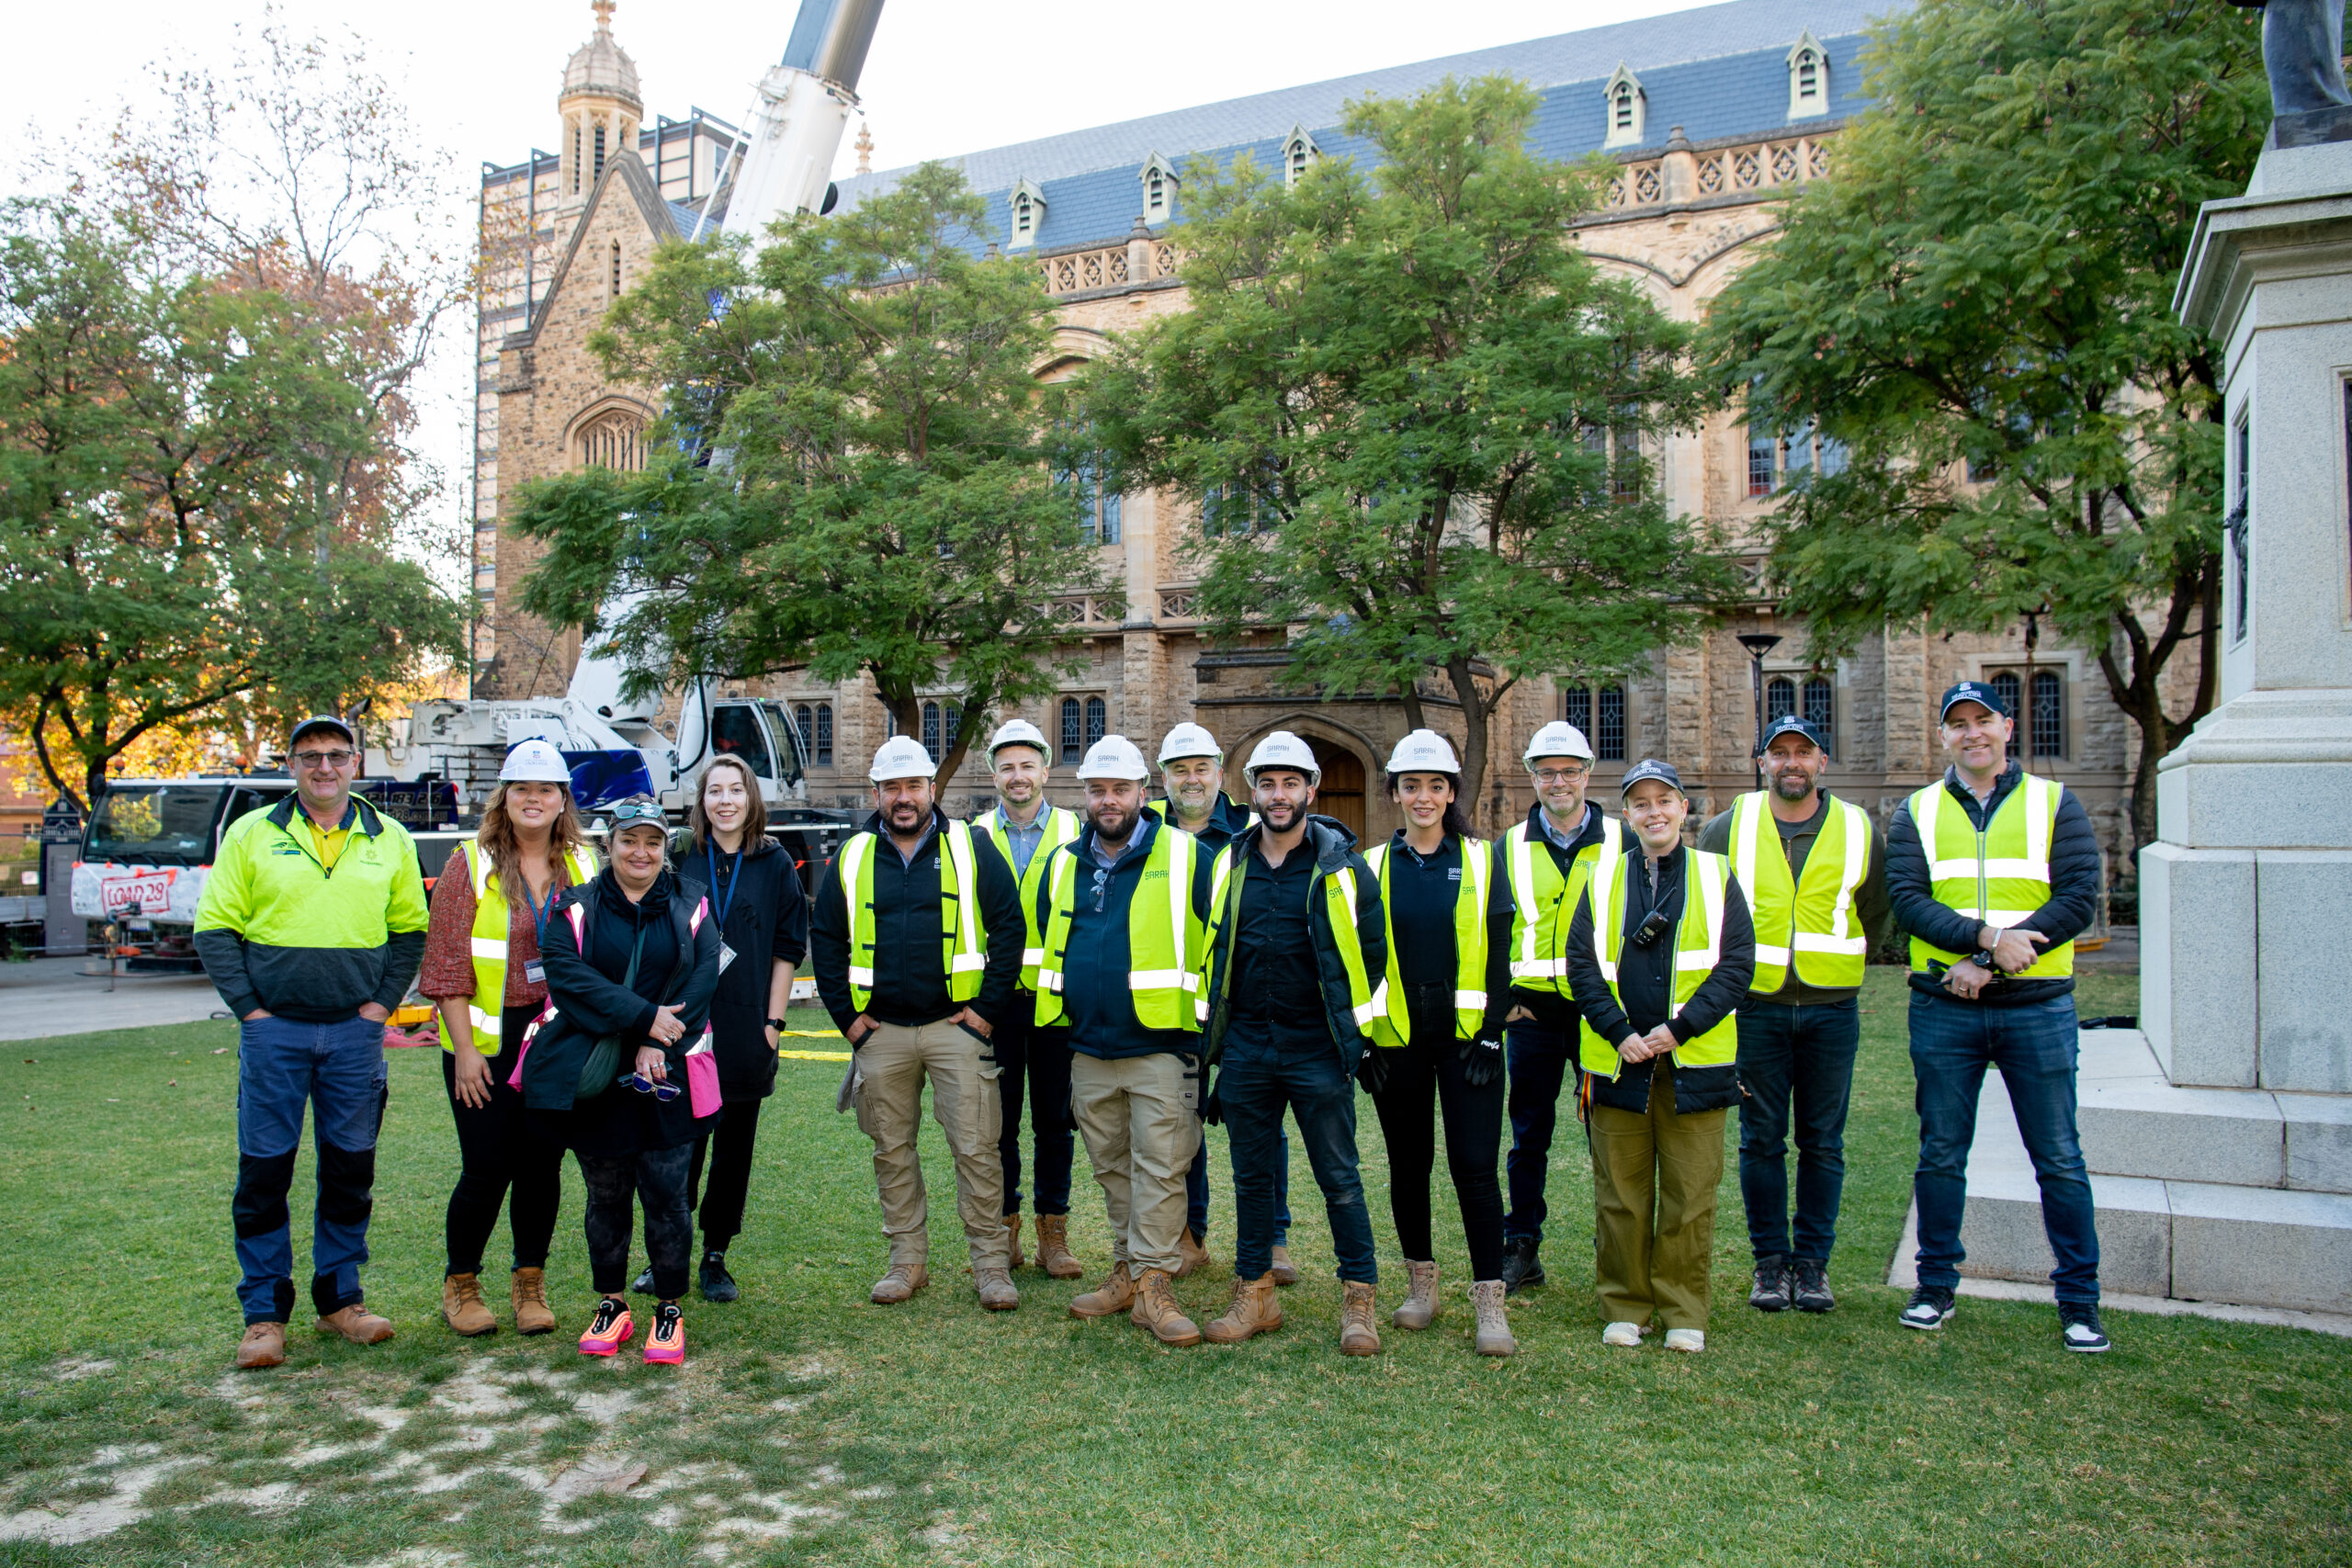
point(1692, 1340)
point(1624, 1336)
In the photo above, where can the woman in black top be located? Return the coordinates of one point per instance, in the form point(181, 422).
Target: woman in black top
point(631, 958)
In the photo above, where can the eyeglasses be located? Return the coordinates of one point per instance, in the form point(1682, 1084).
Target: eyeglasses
point(324, 759)
point(663, 1091)
point(1559, 775)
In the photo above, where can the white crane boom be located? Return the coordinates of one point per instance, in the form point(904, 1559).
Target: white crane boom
point(784, 164)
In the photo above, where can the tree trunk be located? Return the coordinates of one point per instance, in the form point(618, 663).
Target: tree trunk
point(1475, 713)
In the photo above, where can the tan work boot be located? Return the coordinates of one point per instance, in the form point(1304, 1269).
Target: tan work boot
point(997, 1290)
point(1054, 1255)
point(1115, 1293)
point(1357, 1336)
point(356, 1324)
point(1190, 1255)
point(263, 1345)
point(902, 1281)
point(1285, 1272)
point(1012, 1240)
point(1254, 1311)
point(1493, 1322)
point(532, 1313)
point(462, 1307)
point(1418, 1309)
point(1156, 1309)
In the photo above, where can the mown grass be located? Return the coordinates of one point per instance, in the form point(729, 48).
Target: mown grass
point(808, 1427)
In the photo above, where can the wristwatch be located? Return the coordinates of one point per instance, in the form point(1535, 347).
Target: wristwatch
point(777, 1024)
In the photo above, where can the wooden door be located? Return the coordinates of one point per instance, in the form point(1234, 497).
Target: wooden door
point(1340, 795)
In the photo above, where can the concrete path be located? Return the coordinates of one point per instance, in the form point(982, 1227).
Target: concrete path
point(52, 995)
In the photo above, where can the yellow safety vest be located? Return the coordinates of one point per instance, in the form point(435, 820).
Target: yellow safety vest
point(1543, 903)
point(1062, 825)
point(1225, 878)
point(1810, 918)
point(1996, 878)
point(1390, 1025)
point(963, 940)
point(1164, 983)
point(493, 922)
point(1698, 946)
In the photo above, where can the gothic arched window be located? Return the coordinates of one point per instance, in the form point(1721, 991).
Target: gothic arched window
point(615, 441)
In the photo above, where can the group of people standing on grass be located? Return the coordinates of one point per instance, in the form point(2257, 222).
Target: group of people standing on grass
point(1140, 970)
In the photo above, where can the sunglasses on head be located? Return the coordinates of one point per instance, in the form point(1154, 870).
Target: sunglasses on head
point(629, 811)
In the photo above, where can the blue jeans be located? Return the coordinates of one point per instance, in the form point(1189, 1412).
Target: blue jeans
point(1539, 1060)
point(1196, 1193)
point(1255, 1085)
point(1805, 1057)
point(338, 1070)
point(2034, 1047)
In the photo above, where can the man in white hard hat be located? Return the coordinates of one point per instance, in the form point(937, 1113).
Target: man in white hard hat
point(1032, 1064)
point(917, 935)
point(1544, 862)
point(1122, 914)
point(1296, 937)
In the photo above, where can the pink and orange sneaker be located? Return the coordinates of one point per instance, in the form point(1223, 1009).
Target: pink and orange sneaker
point(668, 1341)
point(609, 1329)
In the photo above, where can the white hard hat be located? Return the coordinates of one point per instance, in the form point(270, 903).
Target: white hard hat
point(1189, 740)
point(1019, 732)
point(1283, 750)
point(1114, 757)
point(901, 757)
point(1423, 752)
point(1558, 738)
point(534, 761)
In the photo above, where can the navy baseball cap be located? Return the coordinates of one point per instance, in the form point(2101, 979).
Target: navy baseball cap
point(1651, 768)
point(322, 721)
point(1794, 724)
point(1972, 692)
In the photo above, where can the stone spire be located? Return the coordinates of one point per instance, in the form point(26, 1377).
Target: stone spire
point(601, 109)
point(865, 148)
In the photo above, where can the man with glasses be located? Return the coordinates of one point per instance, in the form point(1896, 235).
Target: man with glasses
point(1545, 861)
point(312, 926)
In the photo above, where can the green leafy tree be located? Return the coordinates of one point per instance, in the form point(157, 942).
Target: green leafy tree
point(850, 475)
point(1978, 306)
point(1417, 419)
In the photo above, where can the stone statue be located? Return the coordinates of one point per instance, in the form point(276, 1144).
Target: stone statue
point(2302, 48)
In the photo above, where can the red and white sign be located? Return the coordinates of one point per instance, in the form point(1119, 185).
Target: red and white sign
point(144, 893)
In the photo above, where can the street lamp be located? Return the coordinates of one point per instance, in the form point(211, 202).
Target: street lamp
point(1758, 644)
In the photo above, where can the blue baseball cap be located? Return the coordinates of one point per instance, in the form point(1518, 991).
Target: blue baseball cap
point(1794, 724)
point(1972, 692)
point(322, 721)
point(1651, 768)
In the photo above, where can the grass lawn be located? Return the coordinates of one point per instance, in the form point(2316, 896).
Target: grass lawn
point(809, 1427)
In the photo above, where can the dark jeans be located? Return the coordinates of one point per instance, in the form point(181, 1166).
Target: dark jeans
point(337, 1070)
point(615, 1184)
point(1539, 1059)
point(1256, 1084)
point(1196, 1191)
point(1422, 1076)
point(729, 1143)
point(1801, 1057)
point(1037, 1060)
point(2034, 1046)
point(501, 1148)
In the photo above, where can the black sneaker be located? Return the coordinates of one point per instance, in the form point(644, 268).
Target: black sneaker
point(1811, 1293)
point(717, 1284)
point(1770, 1292)
point(1519, 1268)
point(1932, 1306)
point(643, 1284)
point(2078, 1328)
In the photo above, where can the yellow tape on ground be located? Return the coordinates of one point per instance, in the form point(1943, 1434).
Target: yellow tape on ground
point(812, 1033)
point(815, 1055)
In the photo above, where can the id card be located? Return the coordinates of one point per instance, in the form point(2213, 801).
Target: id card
point(535, 972)
point(726, 956)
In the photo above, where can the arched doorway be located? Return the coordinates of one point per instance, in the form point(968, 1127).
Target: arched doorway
point(1340, 795)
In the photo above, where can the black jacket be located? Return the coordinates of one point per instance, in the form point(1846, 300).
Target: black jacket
point(767, 919)
point(2074, 890)
point(909, 989)
point(1552, 1010)
point(1421, 917)
point(1645, 982)
point(1097, 1004)
point(1333, 848)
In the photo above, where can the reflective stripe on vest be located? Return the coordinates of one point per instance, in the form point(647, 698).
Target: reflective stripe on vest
point(1698, 946)
point(1392, 1026)
point(1227, 875)
point(1164, 983)
point(1813, 914)
point(1996, 878)
point(494, 921)
point(963, 942)
point(1062, 825)
point(1539, 945)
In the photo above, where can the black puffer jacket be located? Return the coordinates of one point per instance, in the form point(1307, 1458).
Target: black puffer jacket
point(1334, 848)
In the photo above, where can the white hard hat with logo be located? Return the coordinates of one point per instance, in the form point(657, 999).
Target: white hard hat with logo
point(1283, 750)
point(1189, 740)
point(1019, 732)
point(1114, 757)
point(1558, 738)
point(1423, 752)
point(534, 761)
point(901, 757)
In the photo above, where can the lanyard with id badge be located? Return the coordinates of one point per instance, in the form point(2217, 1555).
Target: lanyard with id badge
point(536, 970)
point(734, 876)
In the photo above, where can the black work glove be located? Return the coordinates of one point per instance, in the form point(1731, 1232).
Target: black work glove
point(1371, 1068)
point(1482, 1060)
point(1211, 1108)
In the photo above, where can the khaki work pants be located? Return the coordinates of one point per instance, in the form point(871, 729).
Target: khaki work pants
point(1654, 1180)
point(892, 1065)
point(1142, 1130)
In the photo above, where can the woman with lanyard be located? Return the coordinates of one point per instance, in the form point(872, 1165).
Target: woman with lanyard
point(1438, 1039)
point(632, 960)
point(483, 972)
point(762, 915)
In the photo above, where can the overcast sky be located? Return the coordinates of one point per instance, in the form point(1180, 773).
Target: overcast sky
point(945, 76)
